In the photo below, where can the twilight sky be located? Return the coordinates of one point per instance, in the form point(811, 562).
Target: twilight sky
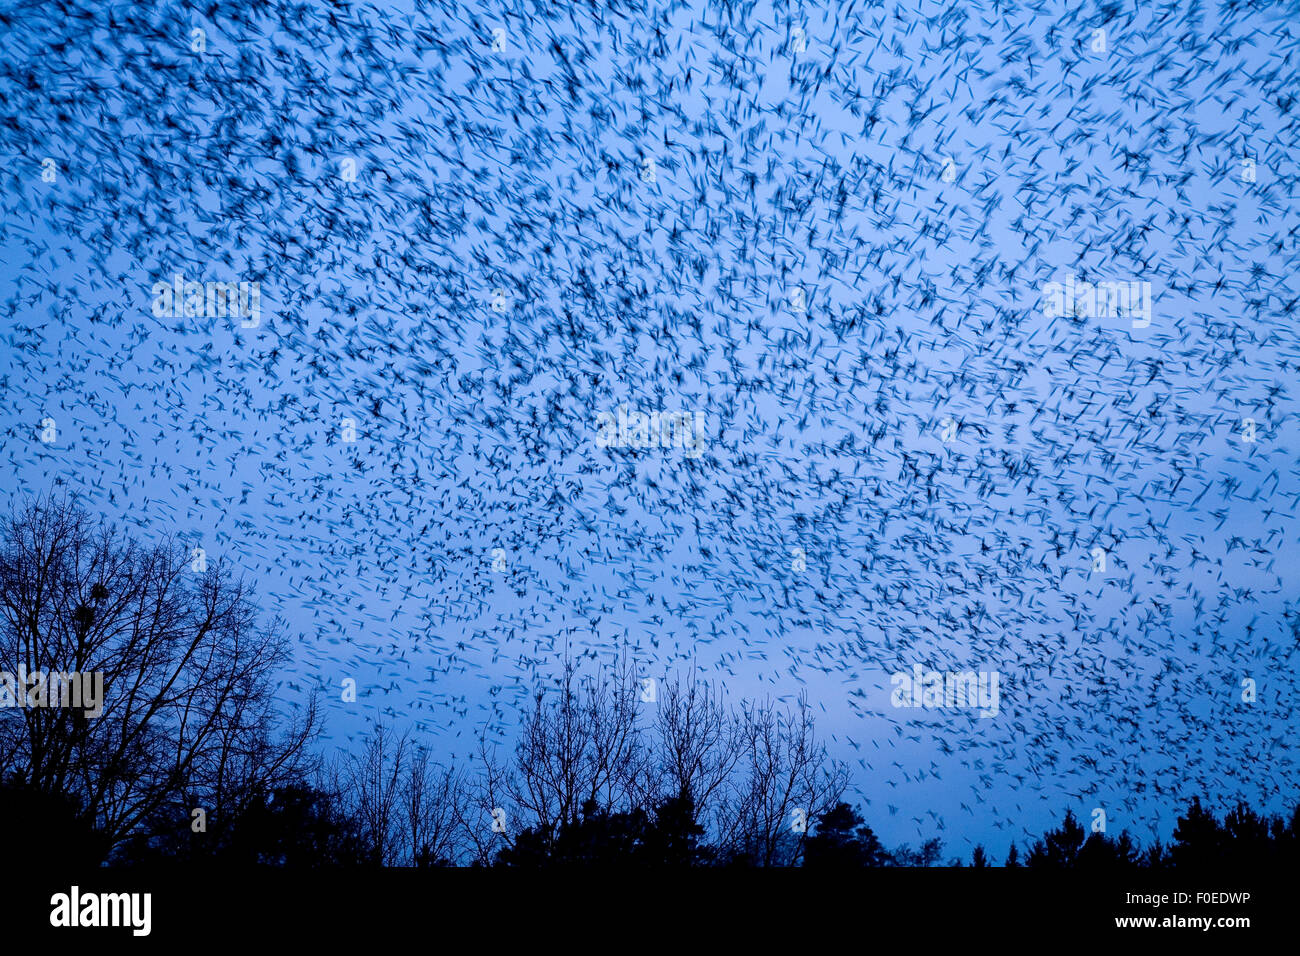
point(825, 230)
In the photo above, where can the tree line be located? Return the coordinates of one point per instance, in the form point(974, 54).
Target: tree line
point(191, 762)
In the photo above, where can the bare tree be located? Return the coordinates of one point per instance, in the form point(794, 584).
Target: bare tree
point(434, 801)
point(580, 744)
point(406, 809)
point(787, 783)
point(756, 779)
point(487, 825)
point(698, 745)
point(369, 787)
point(188, 710)
point(252, 757)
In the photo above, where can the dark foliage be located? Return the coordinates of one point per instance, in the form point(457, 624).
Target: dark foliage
point(598, 837)
point(43, 828)
point(843, 841)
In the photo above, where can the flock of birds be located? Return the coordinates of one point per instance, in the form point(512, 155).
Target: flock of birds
point(476, 229)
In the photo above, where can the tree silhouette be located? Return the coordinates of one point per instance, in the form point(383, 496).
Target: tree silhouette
point(843, 841)
point(755, 773)
point(929, 854)
point(47, 826)
point(1198, 839)
point(580, 748)
point(677, 838)
point(295, 826)
point(787, 776)
point(1071, 847)
point(1248, 839)
point(1242, 840)
point(1059, 848)
point(404, 809)
point(188, 762)
point(188, 718)
point(598, 837)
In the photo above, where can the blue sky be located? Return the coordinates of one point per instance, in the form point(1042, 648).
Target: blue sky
point(527, 170)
